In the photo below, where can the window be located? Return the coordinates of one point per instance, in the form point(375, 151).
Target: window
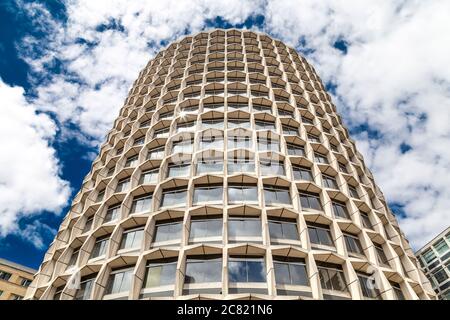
point(353, 192)
point(281, 228)
point(15, 297)
point(186, 126)
point(329, 182)
point(173, 197)
point(269, 167)
point(265, 144)
point(100, 195)
point(206, 165)
point(160, 272)
point(333, 147)
point(246, 269)
point(110, 171)
point(320, 158)
point(123, 185)
point(264, 125)
point(342, 167)
point(310, 201)
point(242, 193)
point(238, 123)
point(73, 258)
point(340, 210)
point(88, 224)
point(397, 291)
point(149, 176)
point(276, 196)
point(440, 275)
point(331, 277)
point(211, 142)
point(25, 282)
point(99, 249)
point(119, 281)
point(285, 113)
point(162, 133)
point(132, 238)
point(84, 292)
point(289, 130)
point(212, 123)
point(166, 230)
point(240, 165)
point(307, 120)
point(204, 227)
point(368, 286)
point(319, 235)
point(145, 123)
point(291, 271)
point(183, 146)
point(131, 161)
point(179, 169)
point(352, 243)
point(139, 141)
point(237, 106)
point(313, 138)
point(366, 220)
point(168, 114)
point(239, 142)
point(429, 256)
point(206, 268)
point(207, 193)
point(441, 247)
point(1, 292)
point(5, 275)
point(112, 214)
point(244, 227)
point(381, 256)
point(302, 173)
point(58, 293)
point(156, 153)
point(295, 150)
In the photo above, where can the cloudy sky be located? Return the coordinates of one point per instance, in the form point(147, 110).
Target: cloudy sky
point(66, 66)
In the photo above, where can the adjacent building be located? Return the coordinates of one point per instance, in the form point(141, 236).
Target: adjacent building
point(229, 174)
point(14, 280)
point(434, 258)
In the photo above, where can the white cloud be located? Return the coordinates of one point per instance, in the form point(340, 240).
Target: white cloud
point(396, 73)
point(29, 180)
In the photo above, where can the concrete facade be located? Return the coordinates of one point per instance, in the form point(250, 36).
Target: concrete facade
point(229, 175)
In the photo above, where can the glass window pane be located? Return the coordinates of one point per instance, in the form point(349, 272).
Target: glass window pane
point(290, 231)
point(167, 231)
point(324, 237)
point(237, 271)
point(313, 237)
point(441, 247)
point(173, 198)
point(282, 273)
point(160, 274)
point(256, 271)
point(244, 227)
point(298, 274)
point(198, 271)
point(337, 280)
point(84, 292)
point(275, 230)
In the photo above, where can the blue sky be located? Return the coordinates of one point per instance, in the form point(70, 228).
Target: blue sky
point(65, 70)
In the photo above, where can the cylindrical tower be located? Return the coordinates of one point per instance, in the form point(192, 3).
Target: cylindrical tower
point(228, 174)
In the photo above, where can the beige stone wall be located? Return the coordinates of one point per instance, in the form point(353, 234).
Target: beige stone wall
point(13, 285)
